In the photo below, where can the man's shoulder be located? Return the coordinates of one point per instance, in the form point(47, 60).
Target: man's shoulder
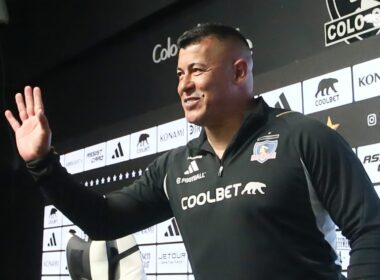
point(296, 119)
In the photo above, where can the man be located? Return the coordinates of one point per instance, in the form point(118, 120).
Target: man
point(254, 196)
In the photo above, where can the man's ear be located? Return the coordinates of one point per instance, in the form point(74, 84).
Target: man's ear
point(240, 70)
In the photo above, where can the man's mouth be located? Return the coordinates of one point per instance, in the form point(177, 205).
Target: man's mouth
point(190, 102)
point(191, 99)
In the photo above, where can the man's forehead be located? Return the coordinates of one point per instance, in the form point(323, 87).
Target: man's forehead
point(208, 46)
point(206, 40)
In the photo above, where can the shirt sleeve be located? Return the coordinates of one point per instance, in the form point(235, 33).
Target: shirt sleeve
point(347, 193)
point(104, 217)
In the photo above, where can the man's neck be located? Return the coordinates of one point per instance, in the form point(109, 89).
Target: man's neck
point(219, 136)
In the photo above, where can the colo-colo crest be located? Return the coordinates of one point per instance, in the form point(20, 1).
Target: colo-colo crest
point(352, 20)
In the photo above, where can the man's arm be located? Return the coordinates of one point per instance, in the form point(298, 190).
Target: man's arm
point(346, 191)
point(100, 216)
point(103, 217)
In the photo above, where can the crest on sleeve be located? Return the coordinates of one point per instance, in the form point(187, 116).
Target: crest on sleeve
point(264, 150)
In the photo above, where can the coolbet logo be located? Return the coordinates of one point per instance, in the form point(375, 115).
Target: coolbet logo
point(222, 193)
point(327, 91)
point(352, 20)
point(143, 144)
point(325, 86)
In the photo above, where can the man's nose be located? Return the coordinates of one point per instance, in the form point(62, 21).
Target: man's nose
point(186, 85)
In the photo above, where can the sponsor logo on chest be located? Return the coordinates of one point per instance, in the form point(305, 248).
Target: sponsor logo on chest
point(222, 193)
point(192, 173)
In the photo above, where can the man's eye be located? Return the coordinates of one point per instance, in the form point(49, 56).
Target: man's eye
point(198, 71)
point(179, 74)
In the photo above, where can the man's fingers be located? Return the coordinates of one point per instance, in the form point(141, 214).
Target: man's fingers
point(12, 120)
point(43, 120)
point(38, 104)
point(21, 107)
point(28, 92)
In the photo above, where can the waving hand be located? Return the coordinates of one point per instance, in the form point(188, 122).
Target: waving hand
point(33, 135)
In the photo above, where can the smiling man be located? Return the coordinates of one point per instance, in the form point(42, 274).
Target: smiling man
point(215, 84)
point(256, 196)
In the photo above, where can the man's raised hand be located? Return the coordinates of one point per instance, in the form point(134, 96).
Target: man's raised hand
point(33, 135)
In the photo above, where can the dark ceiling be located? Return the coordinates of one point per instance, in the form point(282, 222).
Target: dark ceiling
point(43, 34)
point(43, 37)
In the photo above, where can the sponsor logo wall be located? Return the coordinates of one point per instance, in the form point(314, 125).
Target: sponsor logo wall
point(163, 253)
point(161, 246)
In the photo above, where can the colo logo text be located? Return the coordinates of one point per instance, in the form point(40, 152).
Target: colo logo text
point(352, 20)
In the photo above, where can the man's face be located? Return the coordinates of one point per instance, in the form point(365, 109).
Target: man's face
point(205, 72)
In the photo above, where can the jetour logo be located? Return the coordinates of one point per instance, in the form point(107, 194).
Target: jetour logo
point(352, 20)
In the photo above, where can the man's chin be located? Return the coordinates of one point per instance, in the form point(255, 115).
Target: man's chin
point(193, 120)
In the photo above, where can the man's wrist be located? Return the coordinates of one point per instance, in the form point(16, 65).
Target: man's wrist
point(43, 166)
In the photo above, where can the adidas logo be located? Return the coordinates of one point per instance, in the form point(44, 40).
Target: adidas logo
point(118, 152)
point(282, 103)
point(173, 229)
point(52, 241)
point(193, 167)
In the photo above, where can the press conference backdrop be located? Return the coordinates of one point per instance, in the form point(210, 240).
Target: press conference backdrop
point(335, 80)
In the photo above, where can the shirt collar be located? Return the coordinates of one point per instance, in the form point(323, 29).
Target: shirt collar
point(253, 118)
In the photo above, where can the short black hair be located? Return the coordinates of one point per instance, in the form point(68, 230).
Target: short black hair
point(199, 32)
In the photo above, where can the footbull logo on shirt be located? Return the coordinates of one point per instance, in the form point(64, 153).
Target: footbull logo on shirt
point(352, 20)
point(192, 170)
point(223, 193)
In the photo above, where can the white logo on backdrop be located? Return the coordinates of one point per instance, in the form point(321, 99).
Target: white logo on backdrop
point(193, 131)
point(118, 150)
point(144, 143)
point(366, 79)
point(148, 256)
point(51, 263)
point(352, 20)
point(289, 97)
point(370, 157)
point(327, 91)
point(171, 135)
point(95, 156)
point(171, 258)
point(74, 161)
